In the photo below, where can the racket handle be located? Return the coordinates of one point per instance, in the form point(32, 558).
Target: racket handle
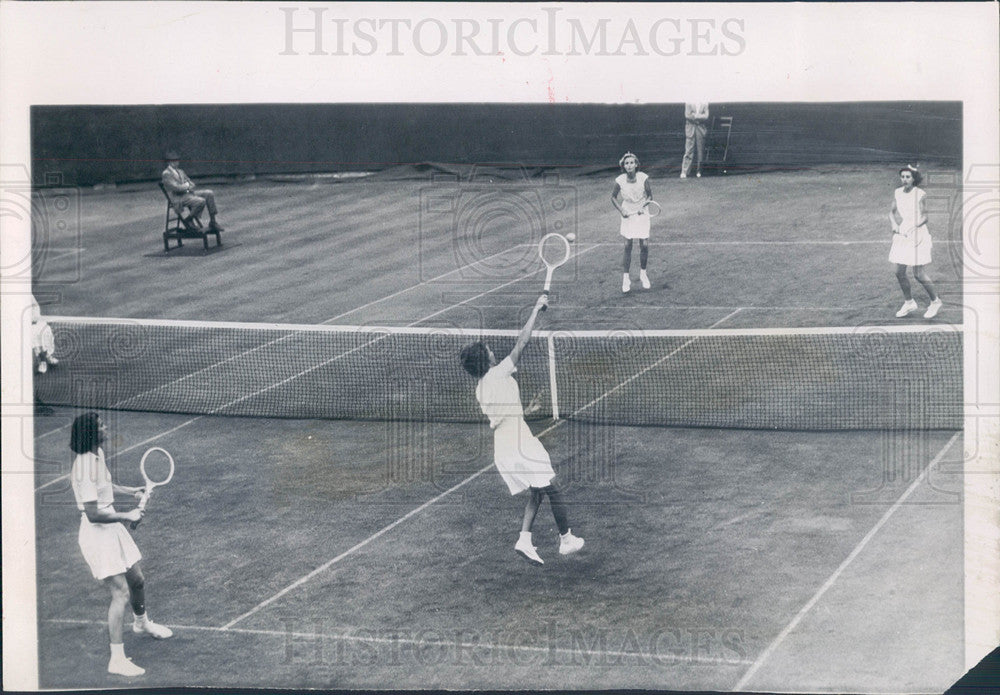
point(141, 507)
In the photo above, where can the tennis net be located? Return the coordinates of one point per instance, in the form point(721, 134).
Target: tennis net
point(907, 377)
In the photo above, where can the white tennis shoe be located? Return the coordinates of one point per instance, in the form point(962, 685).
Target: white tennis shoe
point(123, 666)
point(569, 543)
point(526, 549)
point(909, 306)
point(644, 279)
point(148, 627)
point(626, 284)
point(933, 309)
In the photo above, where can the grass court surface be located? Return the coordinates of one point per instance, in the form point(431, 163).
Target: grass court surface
point(329, 554)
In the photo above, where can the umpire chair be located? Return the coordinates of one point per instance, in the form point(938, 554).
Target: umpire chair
point(181, 224)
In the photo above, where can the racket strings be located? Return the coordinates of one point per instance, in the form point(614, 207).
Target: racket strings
point(554, 250)
point(158, 467)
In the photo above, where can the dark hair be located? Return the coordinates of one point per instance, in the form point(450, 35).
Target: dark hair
point(917, 176)
point(171, 156)
point(85, 434)
point(476, 359)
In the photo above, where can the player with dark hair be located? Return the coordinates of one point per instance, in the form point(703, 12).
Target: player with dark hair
point(106, 545)
point(629, 196)
point(911, 240)
point(519, 456)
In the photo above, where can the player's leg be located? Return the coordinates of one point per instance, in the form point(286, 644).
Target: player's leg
point(136, 589)
point(524, 544)
point(921, 275)
point(568, 543)
point(904, 284)
point(119, 663)
point(141, 624)
point(531, 509)
point(643, 258)
point(626, 266)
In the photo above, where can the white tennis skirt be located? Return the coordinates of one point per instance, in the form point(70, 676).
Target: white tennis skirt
point(521, 459)
point(914, 249)
point(635, 227)
point(107, 548)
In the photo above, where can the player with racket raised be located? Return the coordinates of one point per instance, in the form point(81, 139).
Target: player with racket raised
point(632, 198)
point(106, 544)
point(519, 456)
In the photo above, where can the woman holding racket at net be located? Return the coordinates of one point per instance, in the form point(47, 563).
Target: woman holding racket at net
point(630, 196)
point(519, 456)
point(106, 544)
point(911, 241)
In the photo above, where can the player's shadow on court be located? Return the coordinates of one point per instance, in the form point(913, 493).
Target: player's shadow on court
point(191, 249)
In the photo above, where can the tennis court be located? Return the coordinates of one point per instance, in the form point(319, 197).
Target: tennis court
point(358, 551)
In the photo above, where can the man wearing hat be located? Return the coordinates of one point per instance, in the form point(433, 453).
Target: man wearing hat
point(183, 194)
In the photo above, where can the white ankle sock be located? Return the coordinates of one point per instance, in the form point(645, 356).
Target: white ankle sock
point(526, 536)
point(117, 650)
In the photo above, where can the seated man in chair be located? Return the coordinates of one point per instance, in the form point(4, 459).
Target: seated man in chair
point(183, 194)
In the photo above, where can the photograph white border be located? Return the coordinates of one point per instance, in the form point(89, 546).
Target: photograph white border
point(192, 52)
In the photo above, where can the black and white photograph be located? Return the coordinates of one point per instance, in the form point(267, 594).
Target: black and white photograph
point(517, 347)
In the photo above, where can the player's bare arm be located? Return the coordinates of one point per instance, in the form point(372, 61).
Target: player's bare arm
point(529, 326)
point(616, 194)
point(96, 515)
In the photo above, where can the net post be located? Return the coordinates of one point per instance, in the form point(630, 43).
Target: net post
point(552, 377)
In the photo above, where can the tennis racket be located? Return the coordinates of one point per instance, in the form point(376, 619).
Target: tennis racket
point(554, 250)
point(651, 208)
point(157, 467)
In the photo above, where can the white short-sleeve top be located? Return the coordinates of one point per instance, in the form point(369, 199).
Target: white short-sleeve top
point(498, 393)
point(91, 480)
point(633, 192)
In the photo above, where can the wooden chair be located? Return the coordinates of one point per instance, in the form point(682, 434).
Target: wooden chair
point(181, 224)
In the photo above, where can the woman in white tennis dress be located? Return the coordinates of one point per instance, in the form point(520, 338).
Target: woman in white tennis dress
point(105, 543)
point(519, 456)
point(629, 196)
point(911, 240)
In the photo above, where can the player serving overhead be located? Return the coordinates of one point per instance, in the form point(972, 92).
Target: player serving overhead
point(631, 196)
point(521, 459)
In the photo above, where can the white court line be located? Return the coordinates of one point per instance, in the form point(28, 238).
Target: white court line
point(457, 646)
point(284, 381)
point(425, 282)
point(350, 551)
point(766, 654)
